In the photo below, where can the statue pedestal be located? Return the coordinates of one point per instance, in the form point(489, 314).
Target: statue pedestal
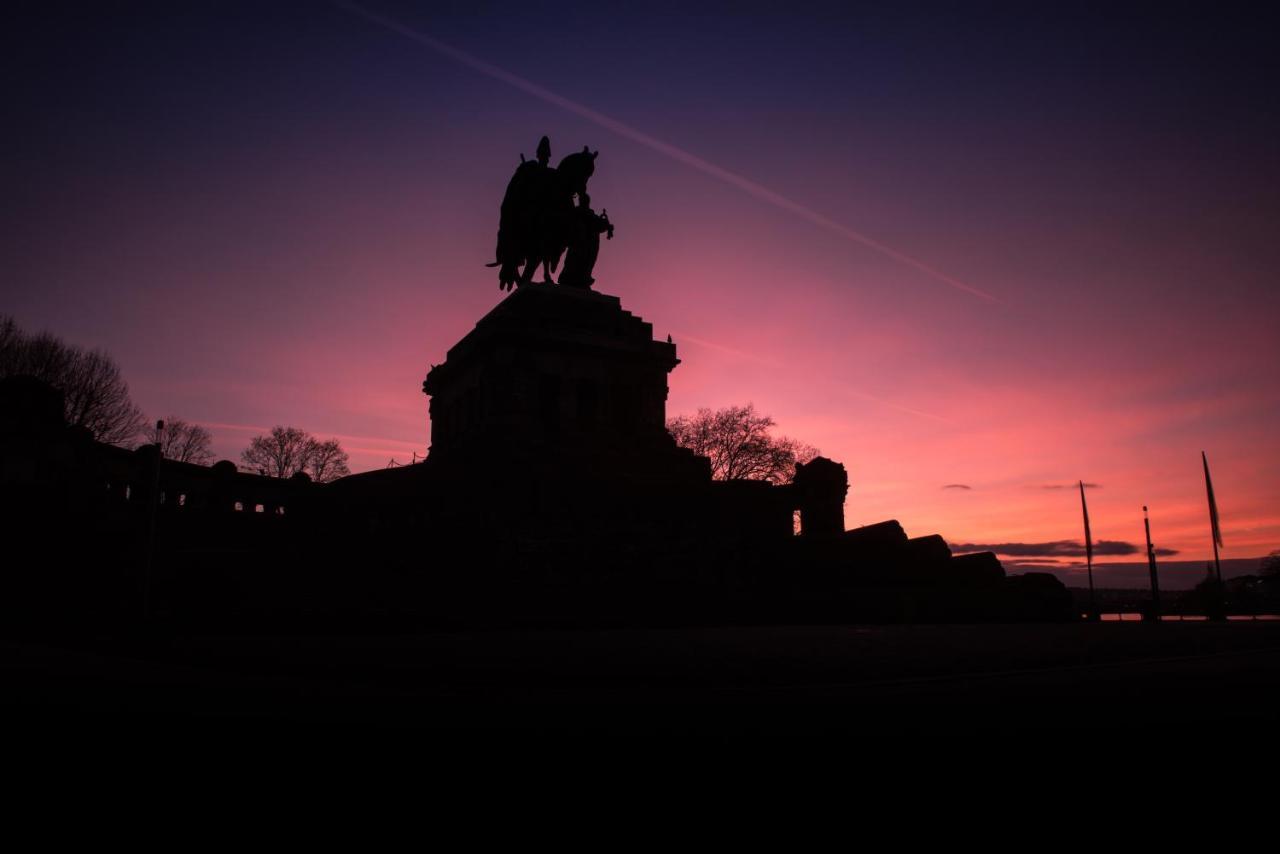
point(553, 371)
point(548, 425)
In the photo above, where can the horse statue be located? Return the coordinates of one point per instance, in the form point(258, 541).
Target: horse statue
point(540, 223)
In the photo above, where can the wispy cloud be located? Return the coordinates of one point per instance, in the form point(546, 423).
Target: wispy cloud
point(1087, 485)
point(1056, 549)
point(721, 348)
point(235, 428)
point(880, 400)
point(362, 444)
point(748, 186)
point(772, 363)
point(963, 486)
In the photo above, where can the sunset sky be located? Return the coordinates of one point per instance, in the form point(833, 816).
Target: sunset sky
point(976, 255)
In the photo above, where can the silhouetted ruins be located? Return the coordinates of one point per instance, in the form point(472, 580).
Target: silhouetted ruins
point(552, 493)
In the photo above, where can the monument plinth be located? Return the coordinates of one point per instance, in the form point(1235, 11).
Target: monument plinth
point(553, 370)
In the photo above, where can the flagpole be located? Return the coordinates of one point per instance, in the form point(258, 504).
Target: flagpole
point(1088, 552)
point(1151, 567)
point(1214, 525)
point(1217, 564)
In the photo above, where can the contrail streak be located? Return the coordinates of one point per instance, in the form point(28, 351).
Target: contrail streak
point(711, 345)
point(880, 400)
point(249, 428)
point(680, 155)
point(844, 387)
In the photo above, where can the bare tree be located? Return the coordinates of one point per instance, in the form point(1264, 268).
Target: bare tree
point(737, 441)
point(281, 453)
point(286, 451)
point(326, 461)
point(183, 441)
point(10, 339)
point(94, 393)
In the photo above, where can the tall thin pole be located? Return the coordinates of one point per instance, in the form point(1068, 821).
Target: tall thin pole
point(1217, 564)
point(1088, 552)
point(1214, 525)
point(154, 502)
point(1151, 567)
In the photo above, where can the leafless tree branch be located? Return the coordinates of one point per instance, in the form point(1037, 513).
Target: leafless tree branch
point(737, 441)
point(183, 441)
point(95, 394)
point(286, 451)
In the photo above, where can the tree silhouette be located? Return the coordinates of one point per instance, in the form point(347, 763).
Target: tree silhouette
point(737, 441)
point(94, 393)
point(183, 441)
point(326, 461)
point(287, 451)
point(281, 453)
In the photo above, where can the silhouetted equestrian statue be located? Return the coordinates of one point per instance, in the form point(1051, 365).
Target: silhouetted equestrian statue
point(540, 222)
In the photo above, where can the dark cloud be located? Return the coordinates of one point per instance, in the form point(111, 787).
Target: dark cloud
point(957, 486)
point(1087, 485)
point(1057, 548)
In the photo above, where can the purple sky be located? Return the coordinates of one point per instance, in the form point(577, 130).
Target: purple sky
point(281, 216)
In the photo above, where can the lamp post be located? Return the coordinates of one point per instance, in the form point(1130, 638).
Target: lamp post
point(1151, 567)
point(152, 508)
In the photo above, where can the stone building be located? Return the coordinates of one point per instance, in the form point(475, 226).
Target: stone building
point(552, 490)
point(549, 451)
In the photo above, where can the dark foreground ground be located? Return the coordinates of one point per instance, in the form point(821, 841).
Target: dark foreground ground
point(817, 680)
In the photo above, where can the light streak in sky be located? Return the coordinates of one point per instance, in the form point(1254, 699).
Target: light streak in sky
point(731, 351)
point(842, 386)
point(847, 389)
point(678, 154)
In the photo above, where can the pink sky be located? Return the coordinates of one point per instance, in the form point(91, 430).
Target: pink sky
point(303, 259)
